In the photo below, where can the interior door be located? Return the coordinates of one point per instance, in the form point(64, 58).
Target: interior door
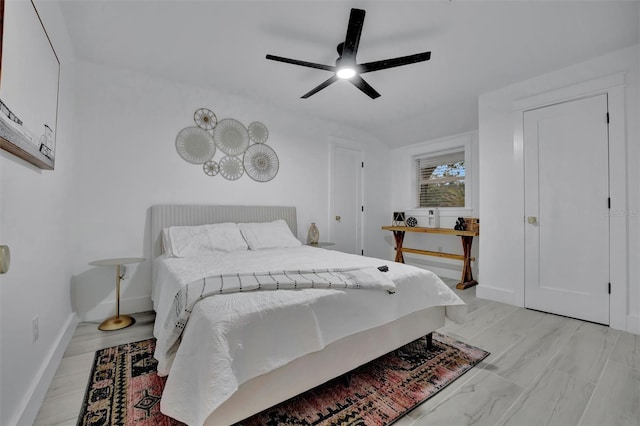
point(345, 220)
point(566, 209)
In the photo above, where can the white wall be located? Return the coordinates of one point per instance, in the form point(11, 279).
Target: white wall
point(501, 199)
point(35, 224)
point(403, 198)
point(127, 161)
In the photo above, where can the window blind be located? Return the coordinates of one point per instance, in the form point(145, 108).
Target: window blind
point(441, 180)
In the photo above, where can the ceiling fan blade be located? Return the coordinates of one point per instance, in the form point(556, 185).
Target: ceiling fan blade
point(359, 82)
point(302, 63)
point(320, 86)
point(394, 62)
point(352, 39)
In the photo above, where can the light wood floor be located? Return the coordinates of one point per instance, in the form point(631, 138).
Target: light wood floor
point(543, 370)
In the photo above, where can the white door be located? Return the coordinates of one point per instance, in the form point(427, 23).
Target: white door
point(566, 209)
point(345, 214)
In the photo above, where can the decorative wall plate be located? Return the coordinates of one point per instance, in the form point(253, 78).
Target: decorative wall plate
point(195, 145)
point(205, 118)
point(231, 136)
point(258, 132)
point(211, 168)
point(231, 167)
point(261, 162)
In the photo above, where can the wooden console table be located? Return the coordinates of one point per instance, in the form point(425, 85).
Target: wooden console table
point(466, 280)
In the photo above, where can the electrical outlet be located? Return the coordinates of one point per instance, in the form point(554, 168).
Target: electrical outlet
point(36, 328)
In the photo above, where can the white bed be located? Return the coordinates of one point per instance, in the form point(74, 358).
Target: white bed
point(237, 358)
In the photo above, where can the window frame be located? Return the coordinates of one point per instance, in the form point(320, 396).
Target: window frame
point(468, 180)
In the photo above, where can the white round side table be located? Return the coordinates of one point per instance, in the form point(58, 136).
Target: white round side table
point(321, 244)
point(119, 321)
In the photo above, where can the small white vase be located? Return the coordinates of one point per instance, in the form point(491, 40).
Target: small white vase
point(313, 236)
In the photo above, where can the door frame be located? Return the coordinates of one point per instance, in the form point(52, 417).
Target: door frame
point(613, 86)
point(550, 286)
point(349, 144)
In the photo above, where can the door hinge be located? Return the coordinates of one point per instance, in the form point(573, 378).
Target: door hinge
point(362, 252)
point(609, 202)
point(607, 118)
point(362, 208)
point(609, 288)
point(363, 164)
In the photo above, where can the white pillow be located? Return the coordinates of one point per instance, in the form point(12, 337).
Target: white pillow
point(187, 241)
point(268, 235)
point(166, 242)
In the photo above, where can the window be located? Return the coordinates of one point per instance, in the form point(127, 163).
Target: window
point(441, 180)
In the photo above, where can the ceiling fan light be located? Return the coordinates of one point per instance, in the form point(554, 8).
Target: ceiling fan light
point(346, 73)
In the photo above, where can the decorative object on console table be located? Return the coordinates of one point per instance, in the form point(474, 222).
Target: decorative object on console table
point(313, 236)
point(459, 226)
point(433, 218)
point(412, 221)
point(118, 321)
point(471, 224)
point(398, 219)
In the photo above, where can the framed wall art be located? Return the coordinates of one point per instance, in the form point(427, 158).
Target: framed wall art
point(29, 81)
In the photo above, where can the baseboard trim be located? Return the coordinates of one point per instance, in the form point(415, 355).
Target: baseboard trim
point(27, 414)
point(496, 294)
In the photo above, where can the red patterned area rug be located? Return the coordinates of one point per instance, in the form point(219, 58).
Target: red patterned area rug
point(124, 388)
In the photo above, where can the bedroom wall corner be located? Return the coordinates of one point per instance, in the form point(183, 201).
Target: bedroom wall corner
point(35, 223)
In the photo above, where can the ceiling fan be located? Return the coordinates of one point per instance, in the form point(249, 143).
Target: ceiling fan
point(346, 66)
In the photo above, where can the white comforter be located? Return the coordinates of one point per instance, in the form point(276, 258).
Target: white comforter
point(233, 338)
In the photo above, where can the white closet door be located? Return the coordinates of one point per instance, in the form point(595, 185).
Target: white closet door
point(566, 209)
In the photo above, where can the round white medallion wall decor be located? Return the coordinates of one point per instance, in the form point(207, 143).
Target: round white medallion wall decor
point(231, 136)
point(261, 162)
point(210, 168)
point(205, 118)
point(195, 145)
point(231, 167)
point(258, 132)
point(245, 148)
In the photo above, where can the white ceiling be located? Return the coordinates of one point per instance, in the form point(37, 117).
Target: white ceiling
point(477, 46)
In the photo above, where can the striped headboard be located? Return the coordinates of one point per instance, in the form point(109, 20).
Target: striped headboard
point(166, 215)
